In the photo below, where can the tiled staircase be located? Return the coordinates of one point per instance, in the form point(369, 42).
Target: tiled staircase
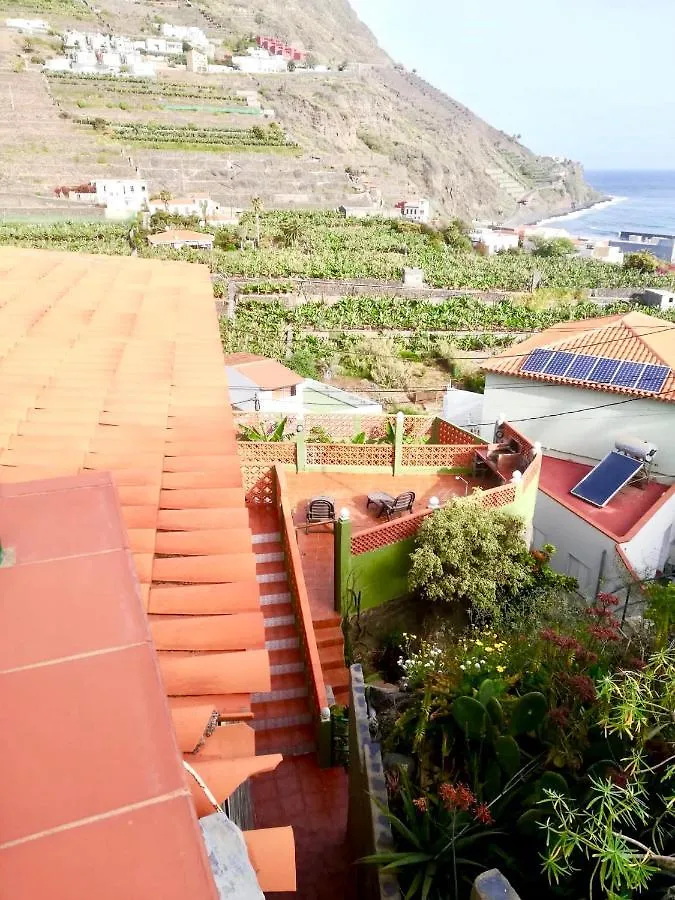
point(283, 717)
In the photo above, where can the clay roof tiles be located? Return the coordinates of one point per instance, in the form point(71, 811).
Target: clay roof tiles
point(631, 336)
point(267, 374)
point(115, 364)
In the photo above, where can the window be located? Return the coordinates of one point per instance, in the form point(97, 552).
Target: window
point(582, 573)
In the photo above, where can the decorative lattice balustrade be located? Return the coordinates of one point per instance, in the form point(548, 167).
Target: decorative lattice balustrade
point(259, 484)
point(437, 456)
point(354, 455)
point(451, 434)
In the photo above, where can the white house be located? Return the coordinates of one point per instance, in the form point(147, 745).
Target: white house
point(579, 386)
point(180, 238)
point(609, 548)
point(30, 26)
point(415, 210)
point(195, 205)
point(495, 239)
point(197, 62)
point(259, 384)
point(659, 299)
point(121, 196)
point(602, 251)
point(193, 36)
point(259, 62)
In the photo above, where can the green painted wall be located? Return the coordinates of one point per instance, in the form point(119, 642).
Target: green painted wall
point(382, 574)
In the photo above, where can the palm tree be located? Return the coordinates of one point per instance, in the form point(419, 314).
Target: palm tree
point(291, 233)
point(257, 208)
point(165, 196)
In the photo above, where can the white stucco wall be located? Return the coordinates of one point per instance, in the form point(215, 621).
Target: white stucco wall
point(579, 546)
point(589, 434)
point(653, 544)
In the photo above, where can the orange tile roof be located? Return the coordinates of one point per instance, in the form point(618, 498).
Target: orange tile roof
point(93, 791)
point(267, 374)
point(631, 336)
point(110, 363)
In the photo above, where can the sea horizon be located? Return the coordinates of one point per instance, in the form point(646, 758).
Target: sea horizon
point(635, 200)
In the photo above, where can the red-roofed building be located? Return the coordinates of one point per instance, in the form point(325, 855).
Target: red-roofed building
point(277, 47)
point(554, 397)
point(605, 549)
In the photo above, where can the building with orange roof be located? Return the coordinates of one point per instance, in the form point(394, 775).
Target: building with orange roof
point(580, 386)
point(115, 365)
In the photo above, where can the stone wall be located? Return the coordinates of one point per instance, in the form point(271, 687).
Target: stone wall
point(368, 828)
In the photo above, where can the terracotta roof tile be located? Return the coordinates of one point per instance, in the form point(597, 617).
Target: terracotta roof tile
point(115, 364)
point(632, 336)
point(94, 779)
point(267, 374)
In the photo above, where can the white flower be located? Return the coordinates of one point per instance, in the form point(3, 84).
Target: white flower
point(463, 668)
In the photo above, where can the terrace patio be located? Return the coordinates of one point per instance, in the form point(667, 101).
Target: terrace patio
point(350, 491)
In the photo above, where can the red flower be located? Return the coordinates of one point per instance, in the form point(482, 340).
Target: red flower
point(604, 633)
point(636, 663)
point(483, 814)
point(606, 600)
point(618, 776)
point(587, 657)
point(582, 686)
point(559, 716)
point(459, 797)
point(421, 804)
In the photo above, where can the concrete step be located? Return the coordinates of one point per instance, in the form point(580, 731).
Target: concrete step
point(329, 637)
point(291, 686)
point(272, 714)
point(331, 658)
point(273, 599)
point(281, 632)
point(271, 577)
point(288, 643)
point(279, 621)
point(271, 537)
point(330, 622)
point(273, 611)
point(291, 741)
point(272, 588)
point(269, 556)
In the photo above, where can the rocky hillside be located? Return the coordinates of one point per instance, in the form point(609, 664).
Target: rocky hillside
point(368, 134)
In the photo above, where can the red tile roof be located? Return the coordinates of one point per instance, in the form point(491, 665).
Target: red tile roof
point(631, 336)
point(622, 516)
point(94, 796)
point(267, 374)
point(110, 363)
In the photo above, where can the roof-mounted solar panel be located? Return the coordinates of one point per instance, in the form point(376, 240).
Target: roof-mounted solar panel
point(653, 378)
point(628, 374)
point(603, 371)
point(559, 363)
point(536, 361)
point(581, 366)
point(607, 478)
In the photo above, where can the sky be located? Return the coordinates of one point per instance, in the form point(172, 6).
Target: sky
point(587, 79)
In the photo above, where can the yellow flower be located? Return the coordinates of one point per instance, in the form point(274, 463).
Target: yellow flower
point(500, 669)
point(489, 649)
point(478, 643)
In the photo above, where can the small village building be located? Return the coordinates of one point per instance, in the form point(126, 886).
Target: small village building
point(359, 212)
point(197, 62)
point(579, 386)
point(260, 62)
point(179, 239)
point(29, 26)
point(658, 299)
point(276, 47)
point(121, 197)
point(414, 210)
point(495, 239)
point(195, 205)
point(608, 548)
point(660, 245)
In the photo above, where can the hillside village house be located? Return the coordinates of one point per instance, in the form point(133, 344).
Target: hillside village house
point(495, 239)
point(180, 238)
point(197, 62)
point(414, 210)
point(29, 26)
point(121, 197)
point(276, 47)
point(188, 33)
point(260, 62)
point(579, 386)
point(658, 299)
point(259, 384)
point(659, 245)
point(586, 391)
point(195, 205)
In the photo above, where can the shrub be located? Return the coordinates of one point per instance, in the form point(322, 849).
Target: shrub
point(641, 262)
point(552, 247)
point(303, 362)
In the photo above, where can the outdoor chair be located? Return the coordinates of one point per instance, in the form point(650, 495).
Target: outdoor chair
point(319, 511)
point(389, 505)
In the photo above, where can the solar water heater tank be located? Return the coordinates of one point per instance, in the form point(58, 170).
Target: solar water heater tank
point(636, 448)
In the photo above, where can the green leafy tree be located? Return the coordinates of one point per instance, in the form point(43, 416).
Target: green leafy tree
point(303, 362)
point(641, 262)
point(291, 233)
point(257, 208)
point(471, 555)
point(551, 248)
point(456, 235)
point(660, 610)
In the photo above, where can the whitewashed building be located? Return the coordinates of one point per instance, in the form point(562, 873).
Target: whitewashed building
point(195, 205)
point(611, 376)
point(415, 210)
point(122, 197)
point(197, 62)
point(260, 62)
point(29, 26)
point(609, 548)
point(495, 239)
point(190, 34)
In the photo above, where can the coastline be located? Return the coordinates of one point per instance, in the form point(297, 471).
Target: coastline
point(579, 211)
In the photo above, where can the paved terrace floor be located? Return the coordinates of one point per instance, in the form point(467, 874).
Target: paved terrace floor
point(351, 490)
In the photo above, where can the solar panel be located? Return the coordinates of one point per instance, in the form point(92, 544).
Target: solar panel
point(559, 363)
point(581, 366)
point(603, 371)
point(607, 478)
point(628, 374)
point(653, 378)
point(536, 361)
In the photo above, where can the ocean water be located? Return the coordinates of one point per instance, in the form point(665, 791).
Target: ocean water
point(643, 201)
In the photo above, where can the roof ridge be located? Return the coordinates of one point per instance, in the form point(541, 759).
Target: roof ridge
point(640, 337)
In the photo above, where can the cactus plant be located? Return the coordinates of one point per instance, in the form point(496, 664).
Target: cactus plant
point(528, 713)
point(470, 715)
point(507, 752)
